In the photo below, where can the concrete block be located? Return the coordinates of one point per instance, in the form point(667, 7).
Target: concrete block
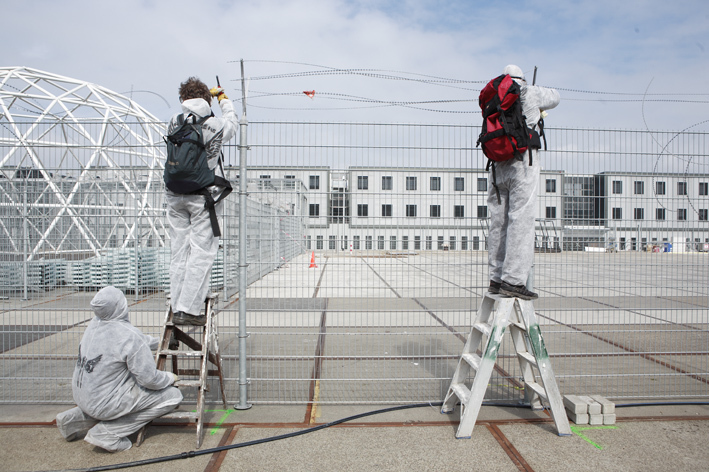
point(595, 420)
point(578, 418)
point(575, 405)
point(609, 418)
point(594, 408)
point(607, 406)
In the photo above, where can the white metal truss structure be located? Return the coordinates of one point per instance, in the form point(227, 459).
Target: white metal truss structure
point(78, 168)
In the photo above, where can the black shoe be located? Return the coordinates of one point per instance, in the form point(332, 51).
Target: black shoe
point(494, 287)
point(519, 291)
point(182, 318)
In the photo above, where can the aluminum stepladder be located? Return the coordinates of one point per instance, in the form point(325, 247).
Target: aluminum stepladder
point(496, 313)
point(206, 350)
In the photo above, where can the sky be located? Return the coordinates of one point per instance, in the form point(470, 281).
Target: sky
point(633, 64)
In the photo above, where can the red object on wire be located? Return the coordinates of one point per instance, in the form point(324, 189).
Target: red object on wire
point(310, 93)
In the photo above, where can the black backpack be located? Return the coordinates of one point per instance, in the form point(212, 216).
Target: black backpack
point(186, 169)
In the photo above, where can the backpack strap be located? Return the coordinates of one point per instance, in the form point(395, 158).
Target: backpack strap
point(210, 203)
point(491, 165)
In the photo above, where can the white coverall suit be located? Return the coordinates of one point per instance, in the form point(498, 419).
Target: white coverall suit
point(193, 245)
point(116, 385)
point(511, 234)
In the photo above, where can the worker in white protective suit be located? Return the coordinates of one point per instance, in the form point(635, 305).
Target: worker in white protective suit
point(511, 234)
point(116, 385)
point(193, 243)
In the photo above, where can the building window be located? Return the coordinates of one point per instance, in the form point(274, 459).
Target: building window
point(363, 210)
point(380, 242)
point(314, 210)
point(660, 214)
point(355, 242)
point(459, 184)
point(410, 183)
point(386, 182)
point(392, 243)
point(482, 184)
point(417, 243)
point(405, 243)
point(368, 243)
point(452, 243)
point(319, 243)
point(551, 212)
point(681, 188)
point(386, 210)
point(314, 182)
point(482, 211)
point(639, 213)
point(290, 181)
point(639, 187)
point(309, 242)
point(435, 184)
point(440, 243)
point(617, 187)
point(429, 243)
point(476, 243)
point(703, 214)
point(704, 188)
point(411, 211)
point(660, 188)
point(682, 214)
point(463, 243)
point(551, 185)
point(617, 213)
point(362, 182)
point(435, 211)
point(458, 211)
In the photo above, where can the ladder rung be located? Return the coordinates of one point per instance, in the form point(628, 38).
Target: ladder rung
point(538, 389)
point(462, 392)
point(473, 360)
point(519, 326)
point(171, 352)
point(188, 383)
point(180, 415)
point(483, 328)
point(528, 357)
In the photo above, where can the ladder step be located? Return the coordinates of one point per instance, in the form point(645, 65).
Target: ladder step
point(527, 357)
point(519, 326)
point(181, 415)
point(188, 383)
point(537, 388)
point(462, 392)
point(483, 328)
point(171, 352)
point(473, 360)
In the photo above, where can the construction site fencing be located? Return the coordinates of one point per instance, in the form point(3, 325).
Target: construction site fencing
point(366, 252)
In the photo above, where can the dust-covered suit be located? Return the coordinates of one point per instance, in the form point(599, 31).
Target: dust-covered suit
point(511, 234)
point(193, 245)
point(116, 385)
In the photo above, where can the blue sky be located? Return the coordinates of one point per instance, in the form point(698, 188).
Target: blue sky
point(579, 47)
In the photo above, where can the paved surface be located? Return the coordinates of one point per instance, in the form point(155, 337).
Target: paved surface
point(644, 438)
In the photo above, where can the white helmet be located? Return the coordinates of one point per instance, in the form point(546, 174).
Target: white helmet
point(514, 71)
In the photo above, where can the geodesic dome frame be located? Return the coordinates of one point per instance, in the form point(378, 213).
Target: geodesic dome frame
point(71, 153)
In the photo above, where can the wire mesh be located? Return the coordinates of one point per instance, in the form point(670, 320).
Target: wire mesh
point(367, 260)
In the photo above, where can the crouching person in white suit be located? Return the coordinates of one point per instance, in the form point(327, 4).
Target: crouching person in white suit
point(116, 386)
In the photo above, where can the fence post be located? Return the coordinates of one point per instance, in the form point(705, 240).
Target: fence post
point(243, 123)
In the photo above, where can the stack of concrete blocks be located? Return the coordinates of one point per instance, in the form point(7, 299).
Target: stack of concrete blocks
point(593, 410)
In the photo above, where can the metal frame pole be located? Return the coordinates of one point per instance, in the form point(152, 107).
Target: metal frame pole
point(243, 123)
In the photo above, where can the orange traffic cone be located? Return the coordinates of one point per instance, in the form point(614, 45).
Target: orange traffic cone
point(312, 261)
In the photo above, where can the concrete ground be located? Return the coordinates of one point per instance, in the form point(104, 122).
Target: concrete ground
point(644, 438)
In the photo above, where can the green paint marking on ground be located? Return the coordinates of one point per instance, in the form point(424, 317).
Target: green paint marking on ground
point(221, 420)
point(577, 431)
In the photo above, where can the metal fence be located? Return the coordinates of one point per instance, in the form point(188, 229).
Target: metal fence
point(366, 250)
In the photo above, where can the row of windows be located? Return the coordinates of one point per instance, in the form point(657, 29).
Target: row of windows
point(402, 242)
point(411, 211)
point(660, 214)
point(412, 183)
point(660, 188)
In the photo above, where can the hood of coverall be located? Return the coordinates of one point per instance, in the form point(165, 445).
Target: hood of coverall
point(196, 106)
point(110, 304)
point(514, 71)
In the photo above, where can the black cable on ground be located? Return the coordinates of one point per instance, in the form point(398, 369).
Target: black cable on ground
point(186, 455)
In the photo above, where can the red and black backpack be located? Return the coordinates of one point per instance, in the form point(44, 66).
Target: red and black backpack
point(504, 133)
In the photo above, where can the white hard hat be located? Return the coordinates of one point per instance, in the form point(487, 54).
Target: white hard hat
point(514, 71)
